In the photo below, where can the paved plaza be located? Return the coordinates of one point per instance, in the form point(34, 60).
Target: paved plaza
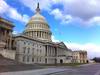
point(93, 69)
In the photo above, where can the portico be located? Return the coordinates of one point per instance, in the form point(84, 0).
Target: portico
point(5, 33)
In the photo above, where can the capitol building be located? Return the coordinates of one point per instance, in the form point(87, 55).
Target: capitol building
point(34, 44)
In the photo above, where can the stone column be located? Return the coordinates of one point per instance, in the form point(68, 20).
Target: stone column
point(47, 50)
point(36, 33)
point(40, 34)
point(53, 51)
point(43, 34)
point(50, 51)
point(27, 34)
point(10, 40)
point(56, 51)
point(5, 34)
point(1, 35)
point(32, 34)
point(7, 41)
point(47, 36)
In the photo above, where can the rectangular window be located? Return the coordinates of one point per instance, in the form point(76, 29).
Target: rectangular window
point(24, 43)
point(32, 59)
point(28, 50)
point(40, 59)
point(40, 51)
point(37, 59)
point(46, 51)
point(45, 60)
point(33, 44)
point(28, 59)
point(23, 58)
point(24, 49)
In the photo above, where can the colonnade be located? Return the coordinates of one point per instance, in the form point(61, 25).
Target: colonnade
point(50, 51)
point(39, 34)
point(5, 36)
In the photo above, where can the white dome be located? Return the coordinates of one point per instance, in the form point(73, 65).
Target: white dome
point(37, 27)
point(37, 17)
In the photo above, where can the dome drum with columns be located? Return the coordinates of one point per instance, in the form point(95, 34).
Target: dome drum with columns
point(37, 27)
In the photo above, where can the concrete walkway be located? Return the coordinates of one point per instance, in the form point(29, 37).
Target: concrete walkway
point(36, 72)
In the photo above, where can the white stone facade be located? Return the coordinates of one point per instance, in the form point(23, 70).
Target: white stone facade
point(32, 51)
point(29, 51)
point(79, 56)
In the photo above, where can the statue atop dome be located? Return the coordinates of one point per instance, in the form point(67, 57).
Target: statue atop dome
point(38, 8)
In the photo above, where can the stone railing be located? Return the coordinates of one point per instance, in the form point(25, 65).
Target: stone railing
point(8, 53)
point(2, 44)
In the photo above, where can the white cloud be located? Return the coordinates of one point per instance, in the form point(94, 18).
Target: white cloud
point(57, 13)
point(53, 39)
point(14, 32)
point(12, 12)
point(82, 11)
point(72, 9)
point(3, 7)
point(76, 8)
point(95, 20)
point(60, 16)
point(85, 10)
point(25, 18)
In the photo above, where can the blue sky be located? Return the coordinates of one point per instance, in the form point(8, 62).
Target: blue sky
point(75, 22)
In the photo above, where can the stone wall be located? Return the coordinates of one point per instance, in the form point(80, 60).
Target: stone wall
point(8, 53)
